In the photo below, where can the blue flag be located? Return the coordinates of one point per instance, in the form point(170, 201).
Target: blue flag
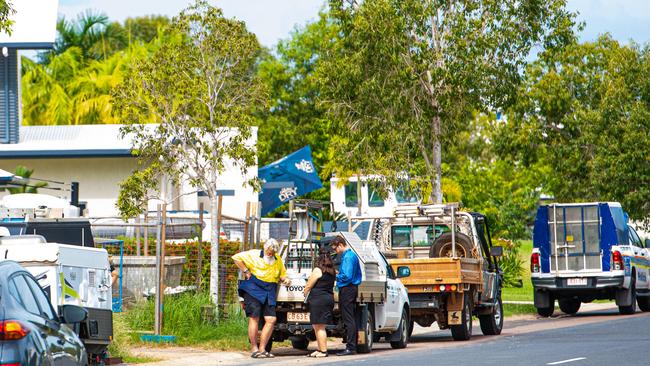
point(288, 178)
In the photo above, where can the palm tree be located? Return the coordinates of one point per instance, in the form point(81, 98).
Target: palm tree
point(32, 187)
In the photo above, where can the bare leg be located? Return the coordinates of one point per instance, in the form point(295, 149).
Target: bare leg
point(267, 330)
point(253, 324)
point(321, 337)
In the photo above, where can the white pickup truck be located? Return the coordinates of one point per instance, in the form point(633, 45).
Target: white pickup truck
point(382, 300)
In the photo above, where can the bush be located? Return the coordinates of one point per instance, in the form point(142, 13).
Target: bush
point(511, 263)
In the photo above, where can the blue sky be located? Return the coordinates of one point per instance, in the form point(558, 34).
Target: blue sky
point(273, 20)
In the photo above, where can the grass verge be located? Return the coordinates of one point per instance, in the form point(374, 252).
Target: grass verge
point(524, 293)
point(518, 309)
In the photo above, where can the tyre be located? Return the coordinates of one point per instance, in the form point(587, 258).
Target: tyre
point(411, 326)
point(300, 343)
point(463, 331)
point(403, 330)
point(442, 247)
point(631, 309)
point(643, 302)
point(569, 306)
point(368, 330)
point(492, 324)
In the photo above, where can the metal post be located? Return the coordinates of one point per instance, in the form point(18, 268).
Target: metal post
point(137, 236)
point(146, 233)
point(222, 299)
point(163, 240)
point(199, 264)
point(74, 194)
point(453, 232)
point(411, 241)
point(246, 227)
point(158, 305)
point(259, 225)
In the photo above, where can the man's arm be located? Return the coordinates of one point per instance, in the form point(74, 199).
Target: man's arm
point(239, 263)
point(345, 270)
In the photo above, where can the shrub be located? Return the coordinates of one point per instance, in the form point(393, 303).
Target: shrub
point(511, 263)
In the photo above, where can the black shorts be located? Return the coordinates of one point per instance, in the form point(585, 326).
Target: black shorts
point(255, 309)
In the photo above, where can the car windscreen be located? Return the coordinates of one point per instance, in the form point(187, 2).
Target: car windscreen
point(423, 235)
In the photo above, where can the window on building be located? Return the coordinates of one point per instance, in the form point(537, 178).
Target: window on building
point(351, 196)
point(374, 198)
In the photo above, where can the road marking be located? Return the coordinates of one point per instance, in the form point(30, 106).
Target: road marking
point(566, 361)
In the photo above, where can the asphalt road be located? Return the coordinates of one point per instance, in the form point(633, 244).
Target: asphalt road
point(616, 341)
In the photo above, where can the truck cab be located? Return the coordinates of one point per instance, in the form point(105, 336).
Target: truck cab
point(584, 252)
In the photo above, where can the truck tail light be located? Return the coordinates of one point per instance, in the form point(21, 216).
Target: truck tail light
point(617, 260)
point(534, 263)
point(11, 330)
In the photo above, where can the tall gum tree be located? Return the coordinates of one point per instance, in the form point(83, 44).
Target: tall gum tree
point(407, 74)
point(202, 90)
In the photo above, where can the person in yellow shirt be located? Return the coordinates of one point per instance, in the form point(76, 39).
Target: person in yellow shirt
point(262, 269)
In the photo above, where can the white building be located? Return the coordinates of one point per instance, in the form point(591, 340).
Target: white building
point(364, 200)
point(97, 158)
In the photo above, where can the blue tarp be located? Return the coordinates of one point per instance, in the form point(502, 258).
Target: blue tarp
point(288, 178)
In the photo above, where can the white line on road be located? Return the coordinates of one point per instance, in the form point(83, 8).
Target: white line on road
point(566, 361)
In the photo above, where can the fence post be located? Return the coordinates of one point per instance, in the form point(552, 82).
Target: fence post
point(137, 235)
point(259, 224)
point(199, 265)
point(246, 227)
point(146, 233)
point(220, 311)
point(158, 305)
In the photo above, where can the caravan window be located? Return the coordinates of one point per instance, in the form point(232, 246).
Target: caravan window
point(351, 197)
point(405, 197)
point(374, 198)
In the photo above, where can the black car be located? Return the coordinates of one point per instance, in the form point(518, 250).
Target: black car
point(30, 331)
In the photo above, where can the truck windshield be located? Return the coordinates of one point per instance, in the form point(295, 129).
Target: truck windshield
point(423, 235)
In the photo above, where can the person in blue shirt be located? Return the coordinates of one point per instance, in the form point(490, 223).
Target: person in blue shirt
point(347, 281)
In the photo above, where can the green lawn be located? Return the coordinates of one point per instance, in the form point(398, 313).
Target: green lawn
point(524, 293)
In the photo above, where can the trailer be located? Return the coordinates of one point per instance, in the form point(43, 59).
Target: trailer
point(74, 275)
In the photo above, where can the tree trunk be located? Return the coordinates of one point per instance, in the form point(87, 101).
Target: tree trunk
point(436, 177)
point(214, 250)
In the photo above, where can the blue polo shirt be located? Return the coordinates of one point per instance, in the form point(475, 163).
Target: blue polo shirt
point(349, 270)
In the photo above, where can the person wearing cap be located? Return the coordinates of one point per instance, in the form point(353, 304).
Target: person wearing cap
point(263, 270)
point(347, 281)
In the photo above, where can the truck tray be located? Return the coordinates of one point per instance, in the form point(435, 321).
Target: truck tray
point(437, 271)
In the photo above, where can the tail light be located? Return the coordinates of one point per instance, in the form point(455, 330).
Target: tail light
point(534, 263)
point(617, 260)
point(11, 330)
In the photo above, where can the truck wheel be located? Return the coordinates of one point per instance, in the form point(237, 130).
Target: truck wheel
point(442, 247)
point(463, 331)
point(411, 326)
point(627, 310)
point(492, 324)
point(643, 302)
point(569, 306)
point(300, 343)
point(403, 330)
point(368, 329)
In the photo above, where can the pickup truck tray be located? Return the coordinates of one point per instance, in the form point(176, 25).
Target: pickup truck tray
point(439, 271)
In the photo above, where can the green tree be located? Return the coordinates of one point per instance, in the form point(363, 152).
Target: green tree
point(201, 87)
point(408, 74)
point(584, 111)
point(6, 10)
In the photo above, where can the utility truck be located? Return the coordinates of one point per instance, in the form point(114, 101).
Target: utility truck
point(588, 251)
point(382, 299)
point(454, 270)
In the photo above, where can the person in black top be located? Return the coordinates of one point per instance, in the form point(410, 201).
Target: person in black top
point(319, 293)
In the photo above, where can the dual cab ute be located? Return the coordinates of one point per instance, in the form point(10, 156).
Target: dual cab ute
point(454, 271)
point(588, 251)
point(382, 300)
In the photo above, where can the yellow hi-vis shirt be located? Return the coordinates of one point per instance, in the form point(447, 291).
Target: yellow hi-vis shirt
point(254, 261)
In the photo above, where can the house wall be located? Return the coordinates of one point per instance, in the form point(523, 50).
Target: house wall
point(98, 178)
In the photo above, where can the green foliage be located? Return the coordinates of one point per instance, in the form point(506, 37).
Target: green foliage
point(134, 192)
point(200, 85)
point(32, 187)
point(406, 76)
point(511, 263)
point(183, 318)
point(6, 10)
point(584, 113)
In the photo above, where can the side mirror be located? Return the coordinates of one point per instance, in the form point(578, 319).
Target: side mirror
point(71, 314)
point(403, 271)
point(496, 251)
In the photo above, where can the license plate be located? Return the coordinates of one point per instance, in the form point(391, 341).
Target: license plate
point(298, 317)
point(576, 282)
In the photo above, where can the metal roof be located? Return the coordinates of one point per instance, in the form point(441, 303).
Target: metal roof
point(68, 141)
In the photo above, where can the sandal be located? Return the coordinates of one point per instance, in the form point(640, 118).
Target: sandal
point(268, 354)
point(257, 354)
point(320, 354)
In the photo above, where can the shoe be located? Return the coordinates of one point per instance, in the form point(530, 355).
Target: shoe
point(346, 352)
